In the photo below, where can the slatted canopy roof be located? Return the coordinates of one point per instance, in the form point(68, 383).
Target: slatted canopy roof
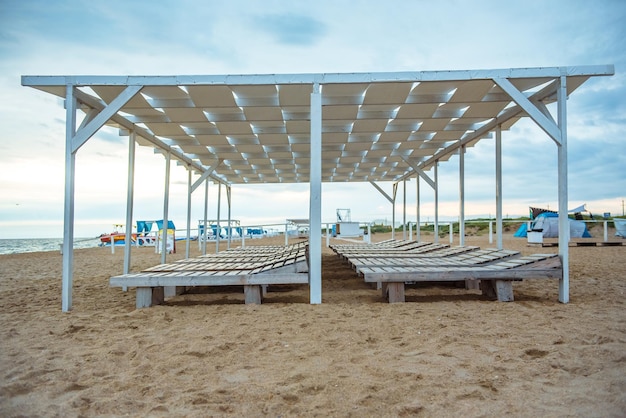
point(375, 126)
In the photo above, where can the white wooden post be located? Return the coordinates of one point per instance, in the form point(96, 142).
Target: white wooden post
point(166, 200)
point(129, 204)
point(327, 235)
point(189, 191)
point(404, 209)
point(68, 210)
point(204, 219)
point(462, 195)
point(315, 198)
point(499, 186)
point(563, 193)
point(436, 227)
point(418, 232)
point(393, 212)
point(218, 227)
point(606, 231)
point(230, 228)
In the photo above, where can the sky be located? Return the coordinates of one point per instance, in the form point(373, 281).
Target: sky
point(120, 37)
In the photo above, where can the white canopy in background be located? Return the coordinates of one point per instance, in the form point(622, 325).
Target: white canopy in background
point(289, 128)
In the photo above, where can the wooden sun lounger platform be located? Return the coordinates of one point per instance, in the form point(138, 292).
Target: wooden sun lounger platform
point(431, 251)
point(447, 258)
point(390, 245)
point(253, 269)
point(409, 250)
point(495, 279)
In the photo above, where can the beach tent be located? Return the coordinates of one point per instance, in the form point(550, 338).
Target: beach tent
point(620, 227)
point(547, 222)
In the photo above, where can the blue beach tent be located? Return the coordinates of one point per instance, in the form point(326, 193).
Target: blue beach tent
point(547, 222)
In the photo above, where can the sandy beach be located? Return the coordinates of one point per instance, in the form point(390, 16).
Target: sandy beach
point(446, 352)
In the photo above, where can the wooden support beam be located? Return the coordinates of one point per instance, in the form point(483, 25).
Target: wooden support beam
point(144, 297)
point(252, 294)
point(395, 292)
point(504, 290)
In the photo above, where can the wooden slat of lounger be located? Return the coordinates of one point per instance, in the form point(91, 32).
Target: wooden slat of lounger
point(521, 268)
point(369, 247)
point(472, 258)
point(406, 262)
point(204, 267)
point(397, 245)
point(232, 264)
point(409, 250)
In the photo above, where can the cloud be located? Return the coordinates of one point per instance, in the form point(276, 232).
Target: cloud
point(292, 29)
point(199, 37)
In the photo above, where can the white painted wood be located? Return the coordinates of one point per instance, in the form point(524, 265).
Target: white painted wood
point(421, 173)
point(310, 78)
point(252, 294)
point(143, 298)
point(286, 234)
point(68, 210)
point(204, 176)
point(393, 211)
point(418, 222)
point(499, 187)
point(105, 114)
point(563, 192)
point(404, 209)
point(436, 175)
point(230, 227)
point(219, 212)
point(205, 236)
point(462, 195)
point(315, 198)
point(189, 191)
point(504, 290)
point(129, 202)
point(207, 279)
point(166, 200)
point(545, 123)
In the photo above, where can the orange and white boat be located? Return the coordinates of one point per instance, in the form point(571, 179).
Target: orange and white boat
point(118, 236)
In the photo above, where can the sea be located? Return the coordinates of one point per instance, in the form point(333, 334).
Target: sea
point(31, 245)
